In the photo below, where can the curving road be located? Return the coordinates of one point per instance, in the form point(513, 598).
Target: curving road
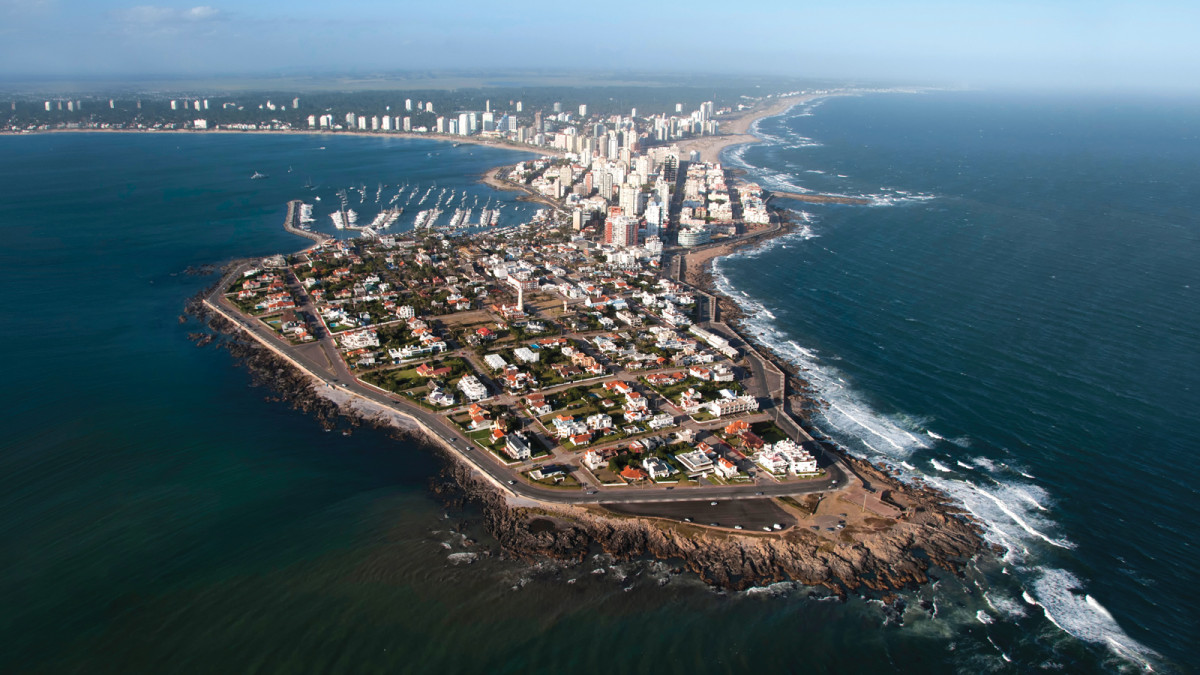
point(317, 362)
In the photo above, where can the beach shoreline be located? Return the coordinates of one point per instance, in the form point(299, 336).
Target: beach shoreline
point(738, 129)
point(409, 135)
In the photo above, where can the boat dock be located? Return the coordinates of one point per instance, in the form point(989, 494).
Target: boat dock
point(292, 222)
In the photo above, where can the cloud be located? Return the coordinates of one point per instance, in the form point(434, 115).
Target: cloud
point(151, 15)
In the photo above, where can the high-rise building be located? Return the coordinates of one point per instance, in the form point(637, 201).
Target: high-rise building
point(429, 106)
point(386, 123)
point(439, 125)
point(407, 126)
point(606, 184)
point(557, 107)
point(583, 110)
point(295, 103)
point(464, 124)
point(408, 104)
point(670, 168)
point(520, 107)
point(621, 231)
point(47, 106)
point(174, 105)
point(489, 121)
point(630, 200)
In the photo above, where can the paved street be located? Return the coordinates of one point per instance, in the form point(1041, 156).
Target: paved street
point(317, 361)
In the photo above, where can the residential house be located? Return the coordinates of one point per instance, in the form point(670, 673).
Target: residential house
point(657, 468)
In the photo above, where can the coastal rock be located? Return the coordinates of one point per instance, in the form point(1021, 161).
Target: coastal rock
point(890, 555)
point(889, 559)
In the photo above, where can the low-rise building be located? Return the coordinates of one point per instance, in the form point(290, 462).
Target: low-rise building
point(472, 388)
point(695, 461)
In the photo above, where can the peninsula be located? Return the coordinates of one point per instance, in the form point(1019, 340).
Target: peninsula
point(581, 374)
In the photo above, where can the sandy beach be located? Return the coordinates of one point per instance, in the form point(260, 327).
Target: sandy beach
point(736, 128)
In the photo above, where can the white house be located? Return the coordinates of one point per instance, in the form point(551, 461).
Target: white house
point(657, 468)
point(695, 461)
point(472, 388)
point(517, 448)
point(526, 355)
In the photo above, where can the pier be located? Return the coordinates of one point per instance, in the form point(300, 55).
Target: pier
point(292, 223)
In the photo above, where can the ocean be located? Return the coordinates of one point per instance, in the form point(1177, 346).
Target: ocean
point(1025, 310)
point(1013, 319)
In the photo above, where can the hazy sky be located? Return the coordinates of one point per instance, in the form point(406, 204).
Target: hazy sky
point(982, 42)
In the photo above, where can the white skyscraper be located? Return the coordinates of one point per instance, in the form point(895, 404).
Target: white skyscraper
point(408, 123)
point(408, 104)
point(520, 107)
point(464, 124)
point(583, 110)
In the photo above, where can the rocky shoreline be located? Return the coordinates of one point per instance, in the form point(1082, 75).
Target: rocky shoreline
point(878, 557)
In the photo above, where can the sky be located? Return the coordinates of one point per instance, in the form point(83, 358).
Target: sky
point(1064, 43)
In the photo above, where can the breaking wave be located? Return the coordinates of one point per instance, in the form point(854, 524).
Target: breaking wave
point(1012, 509)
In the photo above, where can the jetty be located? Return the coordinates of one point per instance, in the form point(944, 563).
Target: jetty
point(292, 222)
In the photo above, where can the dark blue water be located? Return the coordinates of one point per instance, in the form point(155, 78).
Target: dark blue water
point(157, 514)
point(1017, 318)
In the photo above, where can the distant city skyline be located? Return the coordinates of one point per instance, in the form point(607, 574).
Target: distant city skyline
point(1010, 44)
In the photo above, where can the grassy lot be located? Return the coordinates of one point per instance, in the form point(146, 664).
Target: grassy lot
point(768, 431)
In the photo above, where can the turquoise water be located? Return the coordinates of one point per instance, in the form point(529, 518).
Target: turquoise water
point(159, 514)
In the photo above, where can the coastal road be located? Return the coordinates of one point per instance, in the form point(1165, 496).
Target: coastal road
point(483, 461)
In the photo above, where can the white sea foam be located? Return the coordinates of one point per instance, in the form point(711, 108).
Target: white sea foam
point(963, 465)
point(1001, 505)
point(983, 618)
point(1057, 593)
point(1012, 512)
point(984, 463)
point(1006, 607)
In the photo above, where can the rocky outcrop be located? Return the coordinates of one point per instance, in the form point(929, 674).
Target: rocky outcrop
point(883, 555)
point(894, 554)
